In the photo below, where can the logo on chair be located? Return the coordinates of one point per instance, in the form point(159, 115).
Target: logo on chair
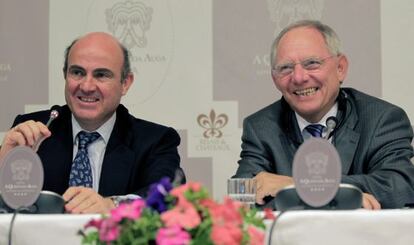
point(316, 163)
point(21, 170)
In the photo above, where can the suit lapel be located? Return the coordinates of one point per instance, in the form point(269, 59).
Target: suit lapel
point(56, 153)
point(346, 139)
point(346, 142)
point(119, 158)
point(290, 136)
point(65, 136)
point(116, 171)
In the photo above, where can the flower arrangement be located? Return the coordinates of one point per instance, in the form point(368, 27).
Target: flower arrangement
point(176, 216)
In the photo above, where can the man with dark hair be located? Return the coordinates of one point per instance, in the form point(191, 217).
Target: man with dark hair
point(95, 151)
point(373, 137)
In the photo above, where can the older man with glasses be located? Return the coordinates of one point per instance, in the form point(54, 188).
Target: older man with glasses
point(373, 137)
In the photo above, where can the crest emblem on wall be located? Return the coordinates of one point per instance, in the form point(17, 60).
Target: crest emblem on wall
point(283, 12)
point(129, 21)
point(212, 124)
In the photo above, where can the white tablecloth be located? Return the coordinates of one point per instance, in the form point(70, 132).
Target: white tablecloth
point(44, 229)
point(385, 227)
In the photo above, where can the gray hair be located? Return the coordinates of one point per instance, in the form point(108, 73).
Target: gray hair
point(329, 35)
point(126, 67)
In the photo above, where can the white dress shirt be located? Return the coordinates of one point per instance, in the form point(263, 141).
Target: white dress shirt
point(96, 150)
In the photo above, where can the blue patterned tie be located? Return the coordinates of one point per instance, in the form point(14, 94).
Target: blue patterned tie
point(81, 172)
point(315, 130)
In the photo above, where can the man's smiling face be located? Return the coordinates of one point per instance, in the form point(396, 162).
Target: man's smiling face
point(93, 88)
point(310, 92)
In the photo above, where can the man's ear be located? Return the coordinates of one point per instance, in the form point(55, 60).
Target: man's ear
point(126, 84)
point(342, 68)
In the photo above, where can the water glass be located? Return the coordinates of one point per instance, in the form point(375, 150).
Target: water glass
point(242, 190)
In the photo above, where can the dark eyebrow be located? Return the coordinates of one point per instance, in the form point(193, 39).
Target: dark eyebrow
point(76, 67)
point(106, 70)
point(103, 72)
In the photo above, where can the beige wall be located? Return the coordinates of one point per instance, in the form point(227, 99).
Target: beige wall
point(397, 22)
point(200, 56)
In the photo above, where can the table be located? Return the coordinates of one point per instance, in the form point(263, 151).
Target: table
point(43, 229)
point(383, 227)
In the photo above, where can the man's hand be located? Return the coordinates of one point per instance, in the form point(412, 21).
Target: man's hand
point(27, 133)
point(370, 202)
point(82, 200)
point(268, 184)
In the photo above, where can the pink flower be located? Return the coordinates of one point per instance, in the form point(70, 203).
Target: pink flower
point(128, 210)
point(172, 236)
point(180, 190)
point(194, 186)
point(184, 215)
point(209, 203)
point(227, 221)
point(226, 213)
point(256, 236)
point(226, 234)
point(94, 223)
point(268, 214)
point(109, 230)
point(190, 214)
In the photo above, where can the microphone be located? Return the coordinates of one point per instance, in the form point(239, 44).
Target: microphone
point(54, 113)
point(179, 177)
point(331, 123)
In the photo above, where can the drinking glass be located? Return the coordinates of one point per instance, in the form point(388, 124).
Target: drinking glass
point(242, 190)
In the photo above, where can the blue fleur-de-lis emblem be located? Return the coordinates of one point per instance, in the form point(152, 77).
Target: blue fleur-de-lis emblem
point(212, 124)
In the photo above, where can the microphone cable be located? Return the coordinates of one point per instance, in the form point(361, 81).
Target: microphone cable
point(16, 211)
point(331, 125)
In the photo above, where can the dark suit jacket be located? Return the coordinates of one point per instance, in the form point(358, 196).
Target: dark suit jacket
point(138, 153)
point(373, 139)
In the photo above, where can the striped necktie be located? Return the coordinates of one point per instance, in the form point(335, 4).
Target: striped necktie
point(315, 130)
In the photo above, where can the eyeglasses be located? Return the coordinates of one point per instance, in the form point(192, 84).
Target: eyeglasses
point(309, 64)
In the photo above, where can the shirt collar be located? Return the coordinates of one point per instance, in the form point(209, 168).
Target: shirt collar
point(104, 130)
point(303, 123)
